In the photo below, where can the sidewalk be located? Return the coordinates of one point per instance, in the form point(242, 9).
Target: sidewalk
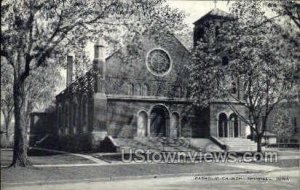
point(71, 168)
point(204, 181)
point(45, 175)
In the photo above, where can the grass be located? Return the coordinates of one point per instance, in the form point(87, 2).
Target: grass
point(282, 163)
point(39, 157)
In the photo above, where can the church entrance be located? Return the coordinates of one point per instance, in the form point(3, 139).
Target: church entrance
point(159, 121)
point(228, 127)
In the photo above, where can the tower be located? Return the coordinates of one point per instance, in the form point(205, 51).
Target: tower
point(70, 65)
point(99, 64)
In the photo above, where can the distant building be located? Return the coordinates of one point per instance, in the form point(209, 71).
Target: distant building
point(292, 108)
point(269, 138)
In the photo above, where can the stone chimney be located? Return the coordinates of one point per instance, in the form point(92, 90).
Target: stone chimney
point(70, 62)
point(99, 58)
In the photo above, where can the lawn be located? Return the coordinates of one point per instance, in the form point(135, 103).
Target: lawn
point(38, 157)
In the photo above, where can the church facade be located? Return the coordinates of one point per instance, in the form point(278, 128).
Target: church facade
point(141, 94)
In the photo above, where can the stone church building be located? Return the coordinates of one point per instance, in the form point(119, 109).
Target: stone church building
point(139, 97)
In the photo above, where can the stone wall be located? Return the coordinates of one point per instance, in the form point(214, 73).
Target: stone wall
point(127, 67)
point(122, 117)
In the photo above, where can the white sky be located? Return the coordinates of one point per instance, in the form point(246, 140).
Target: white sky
point(195, 9)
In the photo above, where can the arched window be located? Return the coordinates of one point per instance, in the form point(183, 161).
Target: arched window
point(63, 118)
point(138, 89)
point(70, 118)
point(131, 89)
point(67, 118)
point(222, 125)
point(198, 34)
point(178, 91)
point(142, 124)
point(75, 117)
point(294, 121)
point(145, 90)
point(59, 119)
point(84, 113)
point(175, 129)
point(233, 88)
point(234, 125)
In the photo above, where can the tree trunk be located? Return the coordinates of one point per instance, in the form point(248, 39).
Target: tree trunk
point(20, 144)
point(252, 133)
point(259, 138)
point(7, 122)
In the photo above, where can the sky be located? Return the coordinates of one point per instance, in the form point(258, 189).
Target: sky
point(195, 9)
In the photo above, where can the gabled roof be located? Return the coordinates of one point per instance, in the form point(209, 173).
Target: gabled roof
point(109, 57)
point(215, 12)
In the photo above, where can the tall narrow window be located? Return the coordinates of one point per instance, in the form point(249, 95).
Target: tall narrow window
point(67, 118)
point(234, 125)
point(145, 90)
point(84, 113)
point(138, 90)
point(174, 129)
point(59, 119)
point(75, 117)
point(130, 89)
point(225, 61)
point(233, 88)
point(222, 125)
point(217, 31)
point(295, 124)
point(178, 91)
point(142, 124)
point(63, 118)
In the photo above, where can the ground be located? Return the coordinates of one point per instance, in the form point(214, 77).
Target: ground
point(60, 170)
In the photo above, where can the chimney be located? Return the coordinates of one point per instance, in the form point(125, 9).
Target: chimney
point(70, 62)
point(99, 58)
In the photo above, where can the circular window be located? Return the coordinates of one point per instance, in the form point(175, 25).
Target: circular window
point(158, 62)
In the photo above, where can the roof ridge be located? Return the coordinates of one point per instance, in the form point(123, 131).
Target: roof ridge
point(215, 12)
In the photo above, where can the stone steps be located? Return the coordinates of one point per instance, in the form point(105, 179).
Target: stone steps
point(239, 144)
point(156, 144)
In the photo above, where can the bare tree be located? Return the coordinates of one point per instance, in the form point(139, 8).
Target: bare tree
point(32, 31)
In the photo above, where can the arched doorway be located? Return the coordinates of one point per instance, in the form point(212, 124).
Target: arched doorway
point(159, 121)
point(174, 127)
point(222, 125)
point(234, 125)
point(142, 124)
